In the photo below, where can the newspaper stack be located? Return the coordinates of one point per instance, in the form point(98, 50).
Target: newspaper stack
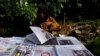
point(66, 46)
point(32, 45)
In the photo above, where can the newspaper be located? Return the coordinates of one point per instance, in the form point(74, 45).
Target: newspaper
point(41, 35)
point(13, 41)
point(67, 46)
point(68, 41)
point(17, 40)
point(32, 38)
point(24, 50)
point(72, 50)
point(5, 41)
point(2, 49)
point(7, 50)
point(44, 51)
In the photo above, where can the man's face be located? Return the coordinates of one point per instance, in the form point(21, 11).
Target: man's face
point(45, 54)
point(42, 15)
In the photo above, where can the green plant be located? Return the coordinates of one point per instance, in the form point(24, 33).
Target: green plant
point(15, 18)
point(94, 46)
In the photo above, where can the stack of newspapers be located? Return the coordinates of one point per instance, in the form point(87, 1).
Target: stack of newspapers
point(42, 43)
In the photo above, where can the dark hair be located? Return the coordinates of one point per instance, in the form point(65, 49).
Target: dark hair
point(41, 9)
point(45, 53)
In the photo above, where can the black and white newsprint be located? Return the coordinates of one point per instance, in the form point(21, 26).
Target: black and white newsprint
point(39, 36)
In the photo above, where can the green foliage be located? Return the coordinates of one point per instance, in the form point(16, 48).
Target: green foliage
point(15, 18)
point(91, 22)
point(94, 46)
point(17, 13)
point(54, 7)
point(30, 12)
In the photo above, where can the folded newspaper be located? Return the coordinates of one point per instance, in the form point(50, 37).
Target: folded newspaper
point(39, 36)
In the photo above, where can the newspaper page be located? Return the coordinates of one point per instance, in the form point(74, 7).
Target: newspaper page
point(44, 51)
point(5, 41)
point(10, 49)
point(32, 38)
point(41, 34)
point(17, 40)
point(13, 41)
point(2, 50)
point(24, 50)
point(68, 41)
point(72, 50)
point(7, 50)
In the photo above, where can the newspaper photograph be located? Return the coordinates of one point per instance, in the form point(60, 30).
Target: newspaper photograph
point(81, 53)
point(44, 51)
point(68, 41)
point(65, 42)
point(24, 50)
